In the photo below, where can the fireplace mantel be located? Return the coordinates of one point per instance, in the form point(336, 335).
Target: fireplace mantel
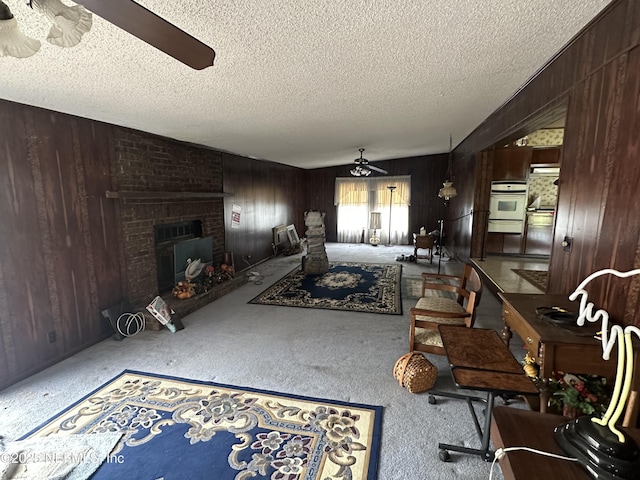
point(165, 195)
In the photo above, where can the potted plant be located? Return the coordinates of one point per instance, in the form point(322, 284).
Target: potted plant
point(576, 394)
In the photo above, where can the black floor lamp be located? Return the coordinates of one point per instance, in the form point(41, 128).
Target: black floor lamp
point(391, 189)
point(447, 192)
point(440, 238)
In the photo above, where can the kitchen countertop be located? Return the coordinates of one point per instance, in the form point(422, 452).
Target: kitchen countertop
point(540, 217)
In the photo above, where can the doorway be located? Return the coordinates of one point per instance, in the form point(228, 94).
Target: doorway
point(532, 156)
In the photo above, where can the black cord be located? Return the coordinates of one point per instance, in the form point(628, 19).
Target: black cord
point(467, 215)
point(441, 233)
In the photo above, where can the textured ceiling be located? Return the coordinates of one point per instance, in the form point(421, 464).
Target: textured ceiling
point(304, 82)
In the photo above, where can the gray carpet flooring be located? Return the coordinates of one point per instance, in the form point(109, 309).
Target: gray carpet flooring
point(339, 355)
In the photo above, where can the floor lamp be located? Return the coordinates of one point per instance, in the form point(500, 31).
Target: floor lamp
point(391, 189)
point(440, 237)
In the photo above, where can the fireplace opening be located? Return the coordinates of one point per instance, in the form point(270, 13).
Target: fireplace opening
point(166, 236)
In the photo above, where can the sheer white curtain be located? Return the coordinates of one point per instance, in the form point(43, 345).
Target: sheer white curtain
point(352, 200)
point(357, 197)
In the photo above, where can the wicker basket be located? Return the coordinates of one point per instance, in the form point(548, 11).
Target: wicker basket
point(414, 372)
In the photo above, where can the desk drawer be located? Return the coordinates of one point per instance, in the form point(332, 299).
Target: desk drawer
point(528, 335)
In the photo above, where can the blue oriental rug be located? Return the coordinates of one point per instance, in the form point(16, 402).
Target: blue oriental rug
point(357, 287)
point(174, 428)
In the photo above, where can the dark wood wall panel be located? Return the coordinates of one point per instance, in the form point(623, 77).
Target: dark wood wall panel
point(65, 250)
point(601, 218)
point(27, 314)
point(269, 194)
point(95, 143)
point(55, 233)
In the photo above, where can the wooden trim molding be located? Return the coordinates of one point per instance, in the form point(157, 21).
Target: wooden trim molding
point(165, 195)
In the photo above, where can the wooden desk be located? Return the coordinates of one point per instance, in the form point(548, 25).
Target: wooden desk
point(512, 427)
point(569, 349)
point(426, 242)
point(480, 361)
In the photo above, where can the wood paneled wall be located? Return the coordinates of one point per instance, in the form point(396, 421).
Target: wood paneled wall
point(595, 79)
point(268, 194)
point(57, 266)
point(427, 174)
point(62, 259)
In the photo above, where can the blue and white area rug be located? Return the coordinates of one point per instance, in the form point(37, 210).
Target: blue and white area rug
point(357, 287)
point(174, 428)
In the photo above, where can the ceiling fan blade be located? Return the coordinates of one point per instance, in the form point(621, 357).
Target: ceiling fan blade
point(153, 29)
point(376, 169)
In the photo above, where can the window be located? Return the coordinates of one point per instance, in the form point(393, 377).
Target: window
point(355, 198)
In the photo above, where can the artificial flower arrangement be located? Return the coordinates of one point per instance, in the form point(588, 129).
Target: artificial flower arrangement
point(572, 394)
point(204, 281)
point(577, 394)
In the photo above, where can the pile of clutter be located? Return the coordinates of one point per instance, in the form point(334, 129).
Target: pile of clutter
point(405, 258)
point(200, 278)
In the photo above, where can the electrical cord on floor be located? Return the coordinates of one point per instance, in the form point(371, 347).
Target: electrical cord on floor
point(501, 452)
point(130, 324)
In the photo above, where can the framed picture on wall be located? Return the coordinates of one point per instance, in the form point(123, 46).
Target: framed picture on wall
point(294, 239)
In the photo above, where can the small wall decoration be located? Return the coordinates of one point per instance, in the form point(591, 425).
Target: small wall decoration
point(235, 216)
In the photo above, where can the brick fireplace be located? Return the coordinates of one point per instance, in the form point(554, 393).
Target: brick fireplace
point(159, 182)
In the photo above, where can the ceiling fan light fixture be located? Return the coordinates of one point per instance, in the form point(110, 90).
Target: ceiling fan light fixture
point(14, 43)
point(363, 168)
point(68, 23)
point(359, 171)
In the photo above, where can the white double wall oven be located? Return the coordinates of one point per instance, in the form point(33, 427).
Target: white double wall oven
point(508, 206)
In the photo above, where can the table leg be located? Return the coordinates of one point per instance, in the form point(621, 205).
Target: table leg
point(506, 334)
point(483, 433)
point(545, 373)
point(544, 395)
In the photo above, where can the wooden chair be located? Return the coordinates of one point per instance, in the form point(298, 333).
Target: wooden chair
point(432, 309)
point(469, 280)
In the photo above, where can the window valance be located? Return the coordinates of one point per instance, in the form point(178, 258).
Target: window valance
point(357, 191)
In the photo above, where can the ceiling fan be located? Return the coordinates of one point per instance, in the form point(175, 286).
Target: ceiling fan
point(154, 30)
point(69, 23)
point(363, 168)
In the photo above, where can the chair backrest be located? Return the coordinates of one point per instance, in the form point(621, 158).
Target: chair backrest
point(471, 281)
